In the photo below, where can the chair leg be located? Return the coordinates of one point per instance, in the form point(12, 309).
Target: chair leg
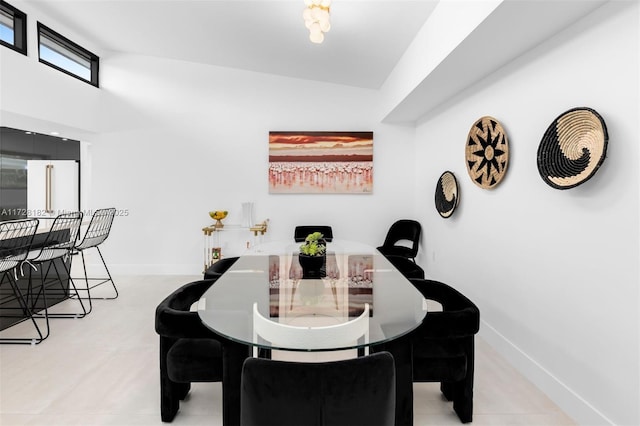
point(463, 401)
point(71, 296)
point(183, 390)
point(447, 390)
point(169, 402)
point(109, 274)
point(27, 314)
point(102, 280)
point(463, 390)
point(72, 287)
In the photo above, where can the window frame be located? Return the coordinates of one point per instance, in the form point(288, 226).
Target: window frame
point(72, 47)
point(19, 28)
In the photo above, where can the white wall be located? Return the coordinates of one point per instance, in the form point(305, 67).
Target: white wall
point(554, 273)
point(180, 139)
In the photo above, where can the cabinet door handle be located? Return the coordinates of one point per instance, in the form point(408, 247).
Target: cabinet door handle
point(47, 195)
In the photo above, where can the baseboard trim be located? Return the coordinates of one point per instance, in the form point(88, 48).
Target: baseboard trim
point(568, 400)
point(149, 269)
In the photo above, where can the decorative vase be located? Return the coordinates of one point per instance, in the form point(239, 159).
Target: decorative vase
point(312, 266)
point(247, 215)
point(218, 215)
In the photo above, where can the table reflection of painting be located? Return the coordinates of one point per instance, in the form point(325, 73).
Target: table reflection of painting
point(274, 286)
point(344, 293)
point(360, 284)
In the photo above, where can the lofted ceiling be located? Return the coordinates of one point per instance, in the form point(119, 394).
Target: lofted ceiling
point(366, 40)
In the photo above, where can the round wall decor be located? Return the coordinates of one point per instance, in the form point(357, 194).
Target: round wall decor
point(573, 148)
point(487, 152)
point(446, 194)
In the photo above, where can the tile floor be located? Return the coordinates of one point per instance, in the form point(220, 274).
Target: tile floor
point(103, 370)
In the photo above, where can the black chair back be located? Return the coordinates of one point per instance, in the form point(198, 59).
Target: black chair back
point(61, 237)
point(402, 230)
point(406, 267)
point(16, 237)
point(98, 229)
point(301, 232)
point(354, 392)
point(219, 267)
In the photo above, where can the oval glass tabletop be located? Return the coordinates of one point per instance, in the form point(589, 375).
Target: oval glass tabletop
point(312, 313)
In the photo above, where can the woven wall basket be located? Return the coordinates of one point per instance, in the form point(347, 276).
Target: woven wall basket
point(447, 194)
point(573, 148)
point(487, 152)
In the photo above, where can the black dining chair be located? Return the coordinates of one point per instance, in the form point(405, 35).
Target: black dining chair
point(408, 268)
point(219, 267)
point(55, 251)
point(97, 232)
point(443, 345)
point(354, 392)
point(401, 231)
point(189, 351)
point(16, 238)
point(301, 232)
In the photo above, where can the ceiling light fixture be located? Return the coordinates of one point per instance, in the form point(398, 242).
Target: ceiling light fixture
point(317, 19)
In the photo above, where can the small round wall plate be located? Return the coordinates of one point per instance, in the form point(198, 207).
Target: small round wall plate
point(447, 194)
point(487, 152)
point(573, 148)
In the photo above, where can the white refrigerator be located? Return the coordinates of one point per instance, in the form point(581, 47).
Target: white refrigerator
point(52, 187)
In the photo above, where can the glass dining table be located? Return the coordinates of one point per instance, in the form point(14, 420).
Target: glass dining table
point(269, 283)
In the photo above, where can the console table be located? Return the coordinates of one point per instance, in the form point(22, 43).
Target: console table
point(212, 246)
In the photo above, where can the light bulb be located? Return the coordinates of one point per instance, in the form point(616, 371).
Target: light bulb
point(325, 26)
point(306, 15)
point(316, 37)
point(316, 13)
point(325, 3)
point(315, 28)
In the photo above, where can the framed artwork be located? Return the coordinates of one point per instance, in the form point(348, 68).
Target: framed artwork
point(320, 162)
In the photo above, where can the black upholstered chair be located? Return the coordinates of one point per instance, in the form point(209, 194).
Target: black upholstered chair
point(219, 267)
point(443, 346)
point(301, 232)
point(408, 268)
point(353, 392)
point(189, 351)
point(402, 230)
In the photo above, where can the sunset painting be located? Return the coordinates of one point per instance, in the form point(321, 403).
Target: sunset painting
point(321, 162)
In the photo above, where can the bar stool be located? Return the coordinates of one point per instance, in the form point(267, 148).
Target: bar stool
point(57, 245)
point(98, 231)
point(16, 238)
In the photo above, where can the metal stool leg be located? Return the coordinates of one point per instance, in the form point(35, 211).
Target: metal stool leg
point(28, 315)
point(103, 280)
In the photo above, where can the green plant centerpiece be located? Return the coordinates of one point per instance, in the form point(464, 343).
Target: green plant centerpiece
point(312, 255)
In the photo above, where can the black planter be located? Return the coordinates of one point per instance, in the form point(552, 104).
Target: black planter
point(312, 266)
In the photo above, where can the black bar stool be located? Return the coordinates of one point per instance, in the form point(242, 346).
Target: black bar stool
point(57, 245)
point(98, 231)
point(16, 238)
